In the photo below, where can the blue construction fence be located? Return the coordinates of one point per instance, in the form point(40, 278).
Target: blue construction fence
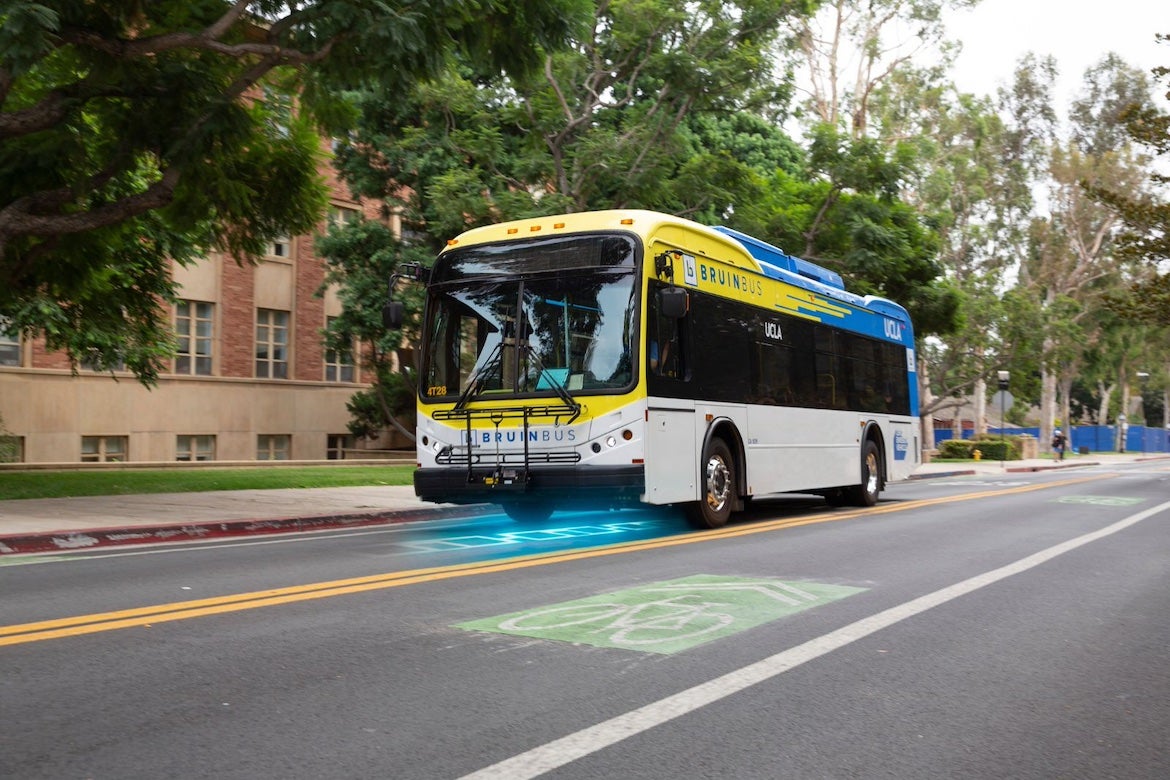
point(1094, 438)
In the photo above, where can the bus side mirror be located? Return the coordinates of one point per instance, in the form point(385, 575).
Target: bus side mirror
point(393, 314)
point(674, 302)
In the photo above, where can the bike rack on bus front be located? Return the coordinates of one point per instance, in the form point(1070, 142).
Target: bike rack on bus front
point(503, 477)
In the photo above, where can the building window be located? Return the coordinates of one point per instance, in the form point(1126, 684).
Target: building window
point(337, 444)
point(338, 363)
point(280, 248)
point(191, 448)
point(271, 446)
point(9, 345)
point(93, 363)
point(340, 216)
point(271, 344)
point(194, 328)
point(103, 449)
point(11, 449)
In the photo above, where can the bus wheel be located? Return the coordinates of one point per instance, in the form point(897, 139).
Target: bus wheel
point(523, 512)
point(866, 494)
point(714, 508)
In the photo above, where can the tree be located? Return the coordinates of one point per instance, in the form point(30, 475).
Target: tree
point(360, 258)
point(842, 212)
point(1146, 216)
point(140, 133)
point(615, 120)
point(851, 48)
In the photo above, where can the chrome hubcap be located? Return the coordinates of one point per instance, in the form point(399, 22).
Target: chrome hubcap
point(718, 484)
point(871, 474)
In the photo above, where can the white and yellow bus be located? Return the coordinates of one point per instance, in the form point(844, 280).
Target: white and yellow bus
point(617, 358)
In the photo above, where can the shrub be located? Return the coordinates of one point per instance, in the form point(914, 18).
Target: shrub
point(956, 449)
point(990, 448)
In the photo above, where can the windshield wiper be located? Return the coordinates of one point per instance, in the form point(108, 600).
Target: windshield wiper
point(475, 383)
point(555, 383)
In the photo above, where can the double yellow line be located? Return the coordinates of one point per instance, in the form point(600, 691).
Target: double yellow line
point(183, 610)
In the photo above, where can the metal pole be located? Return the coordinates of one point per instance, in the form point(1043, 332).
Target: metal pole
point(1004, 378)
point(1142, 377)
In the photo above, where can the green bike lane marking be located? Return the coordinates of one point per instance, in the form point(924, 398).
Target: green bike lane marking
point(666, 617)
point(1099, 500)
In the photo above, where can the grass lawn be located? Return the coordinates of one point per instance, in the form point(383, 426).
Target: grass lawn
point(58, 484)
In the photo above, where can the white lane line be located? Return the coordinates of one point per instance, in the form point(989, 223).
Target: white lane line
point(559, 752)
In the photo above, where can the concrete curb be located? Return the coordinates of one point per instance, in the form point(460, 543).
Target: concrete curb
point(69, 541)
point(1053, 467)
point(936, 474)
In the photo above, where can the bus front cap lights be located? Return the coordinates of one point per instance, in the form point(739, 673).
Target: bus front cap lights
point(595, 447)
point(611, 442)
point(628, 435)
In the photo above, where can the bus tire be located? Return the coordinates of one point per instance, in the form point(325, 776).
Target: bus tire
point(866, 493)
point(718, 487)
point(526, 512)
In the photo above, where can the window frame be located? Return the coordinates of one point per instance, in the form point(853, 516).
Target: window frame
point(10, 342)
point(269, 446)
point(192, 449)
point(275, 367)
point(339, 363)
point(195, 359)
point(103, 453)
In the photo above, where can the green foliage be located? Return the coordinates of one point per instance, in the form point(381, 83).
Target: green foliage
point(635, 116)
point(956, 449)
point(109, 482)
point(990, 448)
point(647, 110)
point(136, 134)
point(843, 212)
point(368, 408)
point(1146, 216)
point(359, 258)
point(9, 445)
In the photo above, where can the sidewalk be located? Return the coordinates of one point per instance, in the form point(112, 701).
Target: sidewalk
point(967, 468)
point(59, 524)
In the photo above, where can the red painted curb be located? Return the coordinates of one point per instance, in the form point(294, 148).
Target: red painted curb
point(69, 541)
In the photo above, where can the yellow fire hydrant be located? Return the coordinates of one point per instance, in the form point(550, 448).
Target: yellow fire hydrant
point(978, 454)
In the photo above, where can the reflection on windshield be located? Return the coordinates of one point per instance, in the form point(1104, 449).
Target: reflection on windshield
point(567, 327)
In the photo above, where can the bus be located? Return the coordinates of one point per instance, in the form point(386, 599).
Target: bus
point(619, 358)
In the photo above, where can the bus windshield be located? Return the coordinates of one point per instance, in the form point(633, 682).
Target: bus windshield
point(534, 317)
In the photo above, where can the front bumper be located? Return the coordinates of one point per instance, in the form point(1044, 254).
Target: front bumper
point(595, 487)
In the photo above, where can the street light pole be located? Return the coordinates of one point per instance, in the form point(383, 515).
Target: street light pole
point(1003, 377)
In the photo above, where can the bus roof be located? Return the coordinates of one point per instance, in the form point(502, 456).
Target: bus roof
point(757, 255)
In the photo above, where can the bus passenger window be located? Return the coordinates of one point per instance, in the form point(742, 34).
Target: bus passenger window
point(664, 349)
point(663, 345)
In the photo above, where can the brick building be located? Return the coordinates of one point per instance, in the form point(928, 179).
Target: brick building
point(252, 380)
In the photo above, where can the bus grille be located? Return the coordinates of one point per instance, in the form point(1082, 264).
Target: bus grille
point(493, 458)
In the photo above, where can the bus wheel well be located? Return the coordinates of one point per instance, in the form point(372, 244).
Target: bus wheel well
point(726, 430)
point(874, 433)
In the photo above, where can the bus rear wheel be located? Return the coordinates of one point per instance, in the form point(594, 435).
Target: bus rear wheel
point(714, 508)
point(523, 512)
point(866, 493)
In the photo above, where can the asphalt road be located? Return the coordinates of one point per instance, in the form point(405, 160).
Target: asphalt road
point(1015, 626)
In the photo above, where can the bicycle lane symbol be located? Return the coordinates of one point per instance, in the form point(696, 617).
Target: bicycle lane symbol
point(666, 617)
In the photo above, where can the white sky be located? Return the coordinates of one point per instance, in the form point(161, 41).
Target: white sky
point(1076, 32)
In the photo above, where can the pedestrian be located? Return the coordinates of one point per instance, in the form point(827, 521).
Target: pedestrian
point(1058, 444)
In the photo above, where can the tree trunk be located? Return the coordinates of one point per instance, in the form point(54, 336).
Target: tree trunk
point(925, 399)
point(979, 405)
point(1047, 406)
